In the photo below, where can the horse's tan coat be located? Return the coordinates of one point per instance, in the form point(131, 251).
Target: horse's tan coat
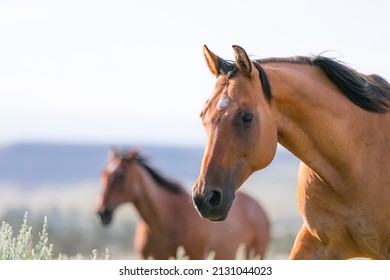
point(344, 177)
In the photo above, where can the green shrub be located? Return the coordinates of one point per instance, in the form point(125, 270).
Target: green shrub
point(21, 247)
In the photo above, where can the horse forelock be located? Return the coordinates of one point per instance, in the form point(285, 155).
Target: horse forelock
point(230, 69)
point(227, 67)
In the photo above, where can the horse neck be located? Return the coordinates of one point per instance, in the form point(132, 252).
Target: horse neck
point(310, 116)
point(151, 201)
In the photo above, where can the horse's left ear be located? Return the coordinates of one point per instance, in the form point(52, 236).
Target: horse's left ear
point(243, 62)
point(133, 153)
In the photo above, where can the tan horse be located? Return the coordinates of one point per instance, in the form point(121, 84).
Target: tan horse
point(168, 218)
point(333, 118)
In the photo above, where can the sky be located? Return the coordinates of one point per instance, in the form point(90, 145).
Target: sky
point(133, 71)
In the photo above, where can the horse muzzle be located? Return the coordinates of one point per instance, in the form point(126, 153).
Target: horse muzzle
point(212, 204)
point(105, 216)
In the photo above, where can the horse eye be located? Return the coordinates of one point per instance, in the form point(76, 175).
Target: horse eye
point(247, 118)
point(118, 179)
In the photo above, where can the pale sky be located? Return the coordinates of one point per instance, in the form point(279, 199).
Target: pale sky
point(133, 71)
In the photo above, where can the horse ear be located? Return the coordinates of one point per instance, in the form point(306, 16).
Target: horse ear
point(211, 60)
point(243, 62)
point(112, 153)
point(133, 153)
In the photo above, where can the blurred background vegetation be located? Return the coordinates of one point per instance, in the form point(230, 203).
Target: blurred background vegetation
point(61, 181)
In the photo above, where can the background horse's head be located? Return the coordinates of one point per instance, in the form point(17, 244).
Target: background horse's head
point(240, 129)
point(115, 184)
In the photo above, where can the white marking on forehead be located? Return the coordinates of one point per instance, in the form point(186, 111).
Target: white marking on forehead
point(112, 166)
point(223, 102)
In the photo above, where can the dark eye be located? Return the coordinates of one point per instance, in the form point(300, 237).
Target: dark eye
point(247, 118)
point(118, 179)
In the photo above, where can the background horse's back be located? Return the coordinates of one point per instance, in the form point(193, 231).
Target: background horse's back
point(247, 225)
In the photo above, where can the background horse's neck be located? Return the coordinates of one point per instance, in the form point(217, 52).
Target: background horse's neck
point(151, 201)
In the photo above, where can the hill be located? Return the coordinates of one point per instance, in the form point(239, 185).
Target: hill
point(29, 165)
point(33, 164)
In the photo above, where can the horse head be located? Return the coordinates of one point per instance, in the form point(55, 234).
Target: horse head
point(240, 129)
point(115, 184)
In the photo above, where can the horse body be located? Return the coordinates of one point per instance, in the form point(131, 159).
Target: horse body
point(158, 235)
point(169, 220)
point(344, 194)
point(343, 182)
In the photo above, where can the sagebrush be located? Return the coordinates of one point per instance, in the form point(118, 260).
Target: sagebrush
point(21, 246)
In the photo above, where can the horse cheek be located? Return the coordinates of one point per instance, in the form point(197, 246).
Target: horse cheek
point(268, 140)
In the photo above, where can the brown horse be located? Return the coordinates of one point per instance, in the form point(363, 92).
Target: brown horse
point(333, 118)
point(168, 218)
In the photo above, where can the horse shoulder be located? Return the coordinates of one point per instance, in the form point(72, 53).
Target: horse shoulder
point(252, 208)
point(142, 240)
point(249, 211)
point(190, 230)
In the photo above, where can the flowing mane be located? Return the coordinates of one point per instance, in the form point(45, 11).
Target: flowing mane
point(160, 180)
point(370, 92)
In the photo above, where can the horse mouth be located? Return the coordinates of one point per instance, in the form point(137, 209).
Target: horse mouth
point(105, 216)
point(219, 219)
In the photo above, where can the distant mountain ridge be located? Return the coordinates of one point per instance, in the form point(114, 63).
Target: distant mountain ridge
point(29, 165)
point(34, 164)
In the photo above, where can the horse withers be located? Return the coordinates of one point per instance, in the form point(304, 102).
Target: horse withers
point(168, 219)
point(333, 118)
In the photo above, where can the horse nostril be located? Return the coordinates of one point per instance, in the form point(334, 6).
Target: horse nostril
point(105, 216)
point(198, 200)
point(104, 213)
point(214, 199)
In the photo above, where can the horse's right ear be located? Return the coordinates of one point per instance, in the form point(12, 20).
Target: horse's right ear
point(211, 60)
point(130, 155)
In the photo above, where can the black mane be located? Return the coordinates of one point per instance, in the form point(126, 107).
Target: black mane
point(227, 67)
point(370, 92)
point(160, 180)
